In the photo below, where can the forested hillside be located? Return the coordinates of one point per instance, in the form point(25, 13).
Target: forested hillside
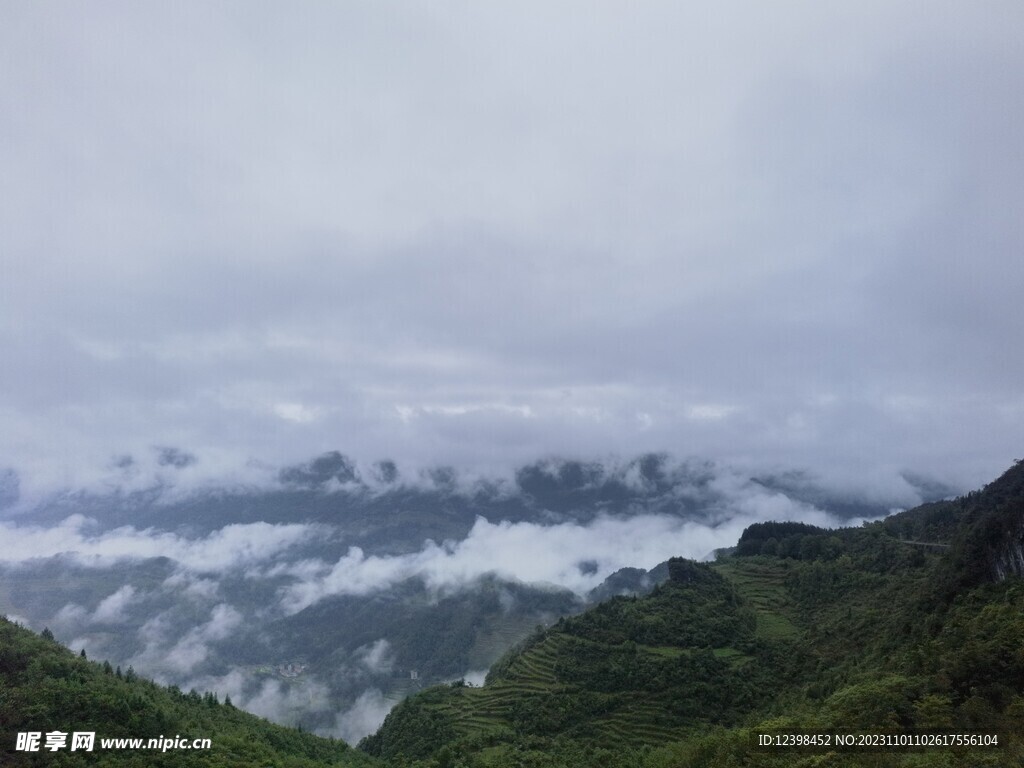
point(898, 627)
point(46, 688)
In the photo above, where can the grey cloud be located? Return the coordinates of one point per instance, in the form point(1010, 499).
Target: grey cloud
point(555, 551)
point(168, 656)
point(376, 657)
point(477, 235)
point(363, 717)
point(174, 457)
point(286, 703)
point(71, 617)
point(282, 702)
point(295, 701)
point(184, 582)
point(193, 648)
point(233, 546)
point(112, 609)
point(10, 487)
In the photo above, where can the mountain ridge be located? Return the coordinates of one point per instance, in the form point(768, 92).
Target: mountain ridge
point(854, 628)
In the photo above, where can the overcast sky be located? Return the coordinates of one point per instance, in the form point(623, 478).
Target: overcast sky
point(480, 233)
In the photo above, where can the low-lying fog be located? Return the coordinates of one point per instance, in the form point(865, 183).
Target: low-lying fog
point(196, 599)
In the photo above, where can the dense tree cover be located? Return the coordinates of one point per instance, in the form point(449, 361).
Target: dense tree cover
point(764, 538)
point(681, 658)
point(864, 629)
point(417, 730)
point(935, 522)
point(695, 608)
point(44, 687)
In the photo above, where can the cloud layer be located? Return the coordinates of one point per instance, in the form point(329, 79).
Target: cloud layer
point(229, 547)
point(209, 611)
point(568, 555)
point(475, 235)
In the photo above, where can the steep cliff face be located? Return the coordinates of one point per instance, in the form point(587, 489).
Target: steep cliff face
point(1008, 554)
point(1010, 562)
point(990, 546)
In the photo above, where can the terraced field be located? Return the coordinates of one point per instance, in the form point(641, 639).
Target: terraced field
point(762, 584)
point(634, 718)
point(634, 672)
point(505, 633)
point(484, 711)
point(636, 722)
point(537, 666)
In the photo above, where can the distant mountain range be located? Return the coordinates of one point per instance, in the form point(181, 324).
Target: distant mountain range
point(902, 628)
point(317, 603)
point(897, 628)
point(382, 509)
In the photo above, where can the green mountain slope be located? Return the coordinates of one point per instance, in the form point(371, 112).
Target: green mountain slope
point(44, 687)
point(896, 627)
